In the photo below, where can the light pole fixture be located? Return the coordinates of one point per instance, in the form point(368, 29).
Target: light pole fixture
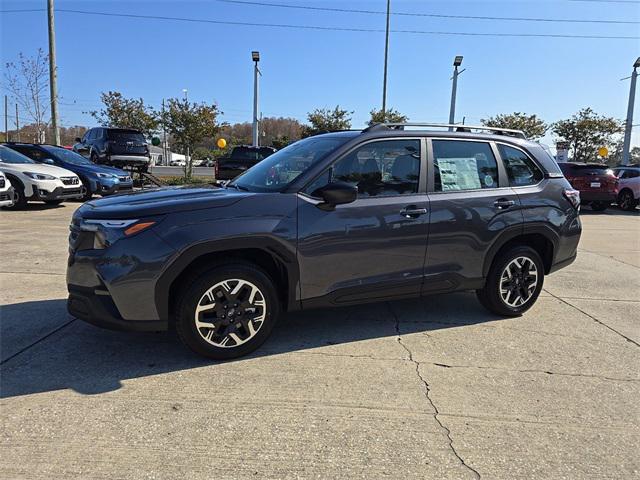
point(386, 57)
point(626, 145)
point(184, 92)
point(255, 56)
point(457, 61)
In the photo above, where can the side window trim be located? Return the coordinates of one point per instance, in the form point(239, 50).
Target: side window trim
point(526, 154)
point(422, 180)
point(503, 181)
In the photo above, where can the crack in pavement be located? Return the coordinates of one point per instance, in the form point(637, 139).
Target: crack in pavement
point(22, 350)
point(427, 391)
point(547, 372)
point(593, 318)
point(347, 355)
point(609, 257)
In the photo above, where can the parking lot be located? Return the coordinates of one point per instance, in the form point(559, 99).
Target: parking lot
point(436, 388)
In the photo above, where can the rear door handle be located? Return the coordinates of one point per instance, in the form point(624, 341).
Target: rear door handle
point(412, 212)
point(503, 203)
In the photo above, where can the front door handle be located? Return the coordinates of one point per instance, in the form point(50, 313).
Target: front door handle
point(503, 203)
point(412, 211)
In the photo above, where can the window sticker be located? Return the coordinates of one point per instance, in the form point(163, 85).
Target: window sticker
point(459, 174)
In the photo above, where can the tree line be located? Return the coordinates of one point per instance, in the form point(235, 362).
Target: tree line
point(193, 127)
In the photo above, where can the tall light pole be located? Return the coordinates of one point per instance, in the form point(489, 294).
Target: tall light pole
point(185, 92)
point(454, 89)
point(53, 74)
point(629, 123)
point(386, 55)
point(255, 56)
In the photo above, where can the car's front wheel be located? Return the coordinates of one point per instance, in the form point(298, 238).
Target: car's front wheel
point(514, 282)
point(227, 312)
point(626, 200)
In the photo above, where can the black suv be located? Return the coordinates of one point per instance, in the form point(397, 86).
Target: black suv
point(241, 159)
point(118, 147)
point(335, 219)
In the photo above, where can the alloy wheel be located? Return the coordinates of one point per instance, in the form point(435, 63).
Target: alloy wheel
point(230, 313)
point(626, 200)
point(518, 281)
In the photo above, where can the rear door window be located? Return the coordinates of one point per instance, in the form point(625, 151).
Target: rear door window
point(460, 165)
point(123, 136)
point(521, 170)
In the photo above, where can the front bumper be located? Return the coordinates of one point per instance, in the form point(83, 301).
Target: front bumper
point(58, 193)
point(7, 197)
point(97, 308)
point(109, 189)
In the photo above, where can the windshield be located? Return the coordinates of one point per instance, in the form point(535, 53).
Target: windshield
point(283, 167)
point(67, 156)
point(11, 156)
point(125, 136)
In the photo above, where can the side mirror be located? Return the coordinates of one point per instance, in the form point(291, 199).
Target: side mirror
point(336, 193)
point(48, 161)
point(78, 140)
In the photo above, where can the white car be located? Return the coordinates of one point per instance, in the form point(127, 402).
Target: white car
point(628, 186)
point(6, 191)
point(33, 181)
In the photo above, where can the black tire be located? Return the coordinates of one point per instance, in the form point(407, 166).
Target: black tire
point(490, 296)
point(20, 201)
point(599, 206)
point(87, 194)
point(94, 158)
point(626, 200)
point(194, 337)
point(53, 202)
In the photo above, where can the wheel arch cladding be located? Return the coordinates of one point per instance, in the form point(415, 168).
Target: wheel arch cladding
point(541, 241)
point(278, 263)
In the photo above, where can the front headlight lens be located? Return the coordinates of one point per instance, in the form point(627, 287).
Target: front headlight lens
point(39, 176)
point(107, 232)
point(105, 175)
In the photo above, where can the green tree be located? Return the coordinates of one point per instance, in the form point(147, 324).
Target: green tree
point(202, 153)
point(121, 112)
point(587, 131)
point(532, 126)
point(324, 120)
point(189, 124)
point(280, 142)
point(390, 116)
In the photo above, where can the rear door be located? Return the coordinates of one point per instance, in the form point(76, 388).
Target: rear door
point(374, 247)
point(472, 205)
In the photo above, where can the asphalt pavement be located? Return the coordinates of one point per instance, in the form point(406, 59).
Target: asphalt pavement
point(431, 389)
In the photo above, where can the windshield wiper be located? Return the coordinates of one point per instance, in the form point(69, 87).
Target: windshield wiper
point(237, 187)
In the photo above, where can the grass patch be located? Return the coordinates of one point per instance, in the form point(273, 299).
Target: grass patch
point(184, 181)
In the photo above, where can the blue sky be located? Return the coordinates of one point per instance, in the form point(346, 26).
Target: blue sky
point(305, 69)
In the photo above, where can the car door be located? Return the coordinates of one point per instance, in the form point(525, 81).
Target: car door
point(472, 205)
point(374, 247)
point(83, 148)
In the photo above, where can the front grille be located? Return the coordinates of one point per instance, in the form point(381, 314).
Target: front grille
point(2, 184)
point(71, 191)
point(70, 180)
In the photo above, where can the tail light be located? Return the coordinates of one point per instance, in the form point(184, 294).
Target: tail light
point(216, 169)
point(573, 196)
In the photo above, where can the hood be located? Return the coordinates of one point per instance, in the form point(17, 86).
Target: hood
point(38, 168)
point(160, 201)
point(96, 169)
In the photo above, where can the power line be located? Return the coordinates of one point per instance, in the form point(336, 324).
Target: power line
point(345, 29)
point(430, 15)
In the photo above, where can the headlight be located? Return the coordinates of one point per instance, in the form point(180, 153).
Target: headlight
point(107, 232)
point(105, 175)
point(39, 176)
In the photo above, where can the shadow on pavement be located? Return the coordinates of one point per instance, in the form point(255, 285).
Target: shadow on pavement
point(89, 360)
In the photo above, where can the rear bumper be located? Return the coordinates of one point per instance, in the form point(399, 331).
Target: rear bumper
point(597, 196)
point(100, 311)
point(58, 193)
point(564, 263)
point(129, 159)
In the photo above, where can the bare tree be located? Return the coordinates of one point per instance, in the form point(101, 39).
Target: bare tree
point(28, 82)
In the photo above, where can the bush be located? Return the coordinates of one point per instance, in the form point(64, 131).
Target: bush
point(185, 181)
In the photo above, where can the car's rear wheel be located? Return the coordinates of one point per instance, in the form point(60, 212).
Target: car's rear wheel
point(514, 282)
point(599, 206)
point(626, 200)
point(227, 312)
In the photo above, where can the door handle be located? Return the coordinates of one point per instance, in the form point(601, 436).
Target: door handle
point(503, 203)
point(412, 212)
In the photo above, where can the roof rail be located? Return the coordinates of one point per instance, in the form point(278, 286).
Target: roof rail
point(451, 126)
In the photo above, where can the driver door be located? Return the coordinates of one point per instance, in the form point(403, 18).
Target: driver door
point(374, 247)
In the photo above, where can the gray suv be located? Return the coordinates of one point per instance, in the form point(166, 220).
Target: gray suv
point(394, 211)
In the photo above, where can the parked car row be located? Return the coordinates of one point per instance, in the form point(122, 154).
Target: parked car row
point(600, 185)
point(53, 174)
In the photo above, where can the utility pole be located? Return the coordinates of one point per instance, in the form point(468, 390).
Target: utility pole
point(386, 56)
point(626, 146)
point(53, 74)
point(454, 90)
point(165, 160)
point(6, 119)
point(255, 56)
point(17, 124)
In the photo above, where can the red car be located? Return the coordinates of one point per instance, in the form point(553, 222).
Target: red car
point(596, 183)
